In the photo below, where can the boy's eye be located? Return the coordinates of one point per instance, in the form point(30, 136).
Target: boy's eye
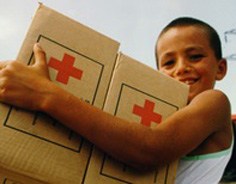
point(196, 57)
point(168, 63)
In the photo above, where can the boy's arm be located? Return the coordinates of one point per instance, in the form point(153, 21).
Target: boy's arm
point(139, 145)
point(132, 143)
point(205, 119)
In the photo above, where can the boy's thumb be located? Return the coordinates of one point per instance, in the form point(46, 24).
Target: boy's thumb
point(40, 60)
point(40, 56)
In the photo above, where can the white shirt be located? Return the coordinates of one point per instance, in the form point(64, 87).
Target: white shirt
point(203, 169)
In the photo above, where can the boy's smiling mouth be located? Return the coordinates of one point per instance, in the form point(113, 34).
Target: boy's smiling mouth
point(189, 81)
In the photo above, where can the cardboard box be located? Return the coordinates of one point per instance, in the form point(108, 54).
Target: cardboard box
point(86, 50)
point(137, 90)
point(34, 148)
point(33, 144)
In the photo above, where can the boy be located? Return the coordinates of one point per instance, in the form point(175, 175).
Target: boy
point(187, 50)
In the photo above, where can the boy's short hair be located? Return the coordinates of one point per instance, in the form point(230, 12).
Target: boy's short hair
point(214, 38)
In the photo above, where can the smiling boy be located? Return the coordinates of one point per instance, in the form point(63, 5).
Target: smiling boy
point(200, 133)
point(189, 50)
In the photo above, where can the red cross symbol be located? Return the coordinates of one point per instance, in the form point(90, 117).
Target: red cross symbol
point(65, 68)
point(147, 113)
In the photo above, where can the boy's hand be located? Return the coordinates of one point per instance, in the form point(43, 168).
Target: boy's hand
point(22, 85)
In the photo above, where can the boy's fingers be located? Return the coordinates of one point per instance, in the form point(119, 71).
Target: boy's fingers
point(40, 60)
point(40, 56)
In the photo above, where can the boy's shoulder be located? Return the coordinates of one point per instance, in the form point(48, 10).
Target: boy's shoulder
point(212, 105)
point(212, 97)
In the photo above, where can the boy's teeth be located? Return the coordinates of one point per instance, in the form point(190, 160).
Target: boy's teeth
point(189, 82)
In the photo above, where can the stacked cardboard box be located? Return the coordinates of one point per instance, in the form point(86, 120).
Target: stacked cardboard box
point(34, 148)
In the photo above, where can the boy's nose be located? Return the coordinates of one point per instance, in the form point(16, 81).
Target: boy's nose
point(182, 67)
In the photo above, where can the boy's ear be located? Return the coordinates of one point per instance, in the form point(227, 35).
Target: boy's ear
point(222, 69)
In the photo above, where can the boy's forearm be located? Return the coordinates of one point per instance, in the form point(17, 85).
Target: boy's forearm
point(118, 137)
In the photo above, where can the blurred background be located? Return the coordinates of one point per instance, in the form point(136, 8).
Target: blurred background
point(134, 23)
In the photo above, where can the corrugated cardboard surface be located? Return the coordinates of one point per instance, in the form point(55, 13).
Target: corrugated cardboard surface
point(10, 177)
point(34, 148)
point(92, 52)
point(34, 145)
point(136, 86)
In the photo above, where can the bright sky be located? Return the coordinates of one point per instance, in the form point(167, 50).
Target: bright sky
point(133, 23)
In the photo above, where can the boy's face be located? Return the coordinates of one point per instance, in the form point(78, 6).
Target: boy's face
point(184, 53)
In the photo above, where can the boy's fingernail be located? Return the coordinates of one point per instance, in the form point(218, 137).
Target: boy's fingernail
point(38, 45)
